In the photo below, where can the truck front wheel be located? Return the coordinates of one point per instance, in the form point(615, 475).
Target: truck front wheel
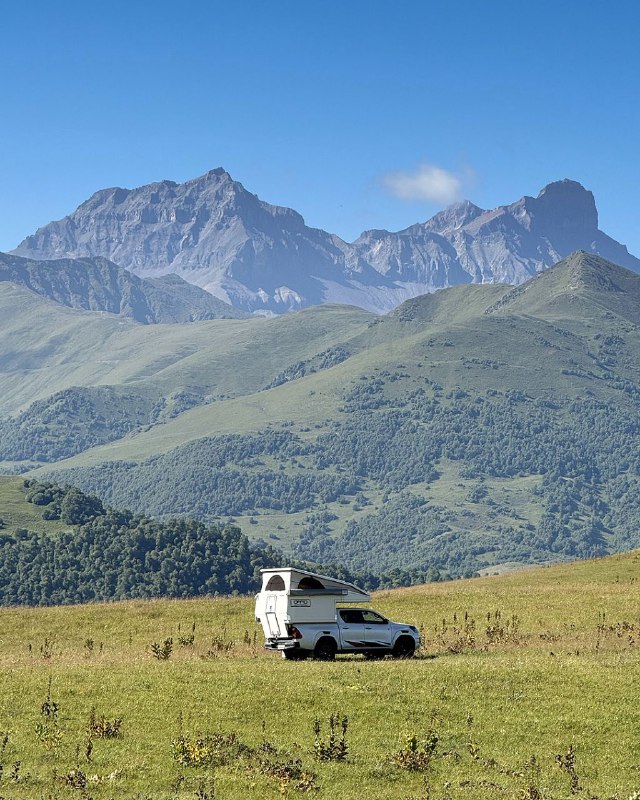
point(375, 655)
point(405, 647)
point(325, 649)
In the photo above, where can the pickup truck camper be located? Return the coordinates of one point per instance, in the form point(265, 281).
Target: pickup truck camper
point(303, 614)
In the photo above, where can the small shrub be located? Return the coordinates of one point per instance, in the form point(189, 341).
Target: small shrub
point(206, 790)
point(499, 632)
point(219, 645)
point(162, 651)
point(289, 773)
point(48, 729)
point(333, 748)
point(567, 763)
point(46, 648)
point(102, 728)
point(75, 779)
point(416, 755)
point(215, 749)
point(188, 639)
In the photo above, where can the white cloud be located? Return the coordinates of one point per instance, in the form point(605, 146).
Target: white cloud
point(427, 182)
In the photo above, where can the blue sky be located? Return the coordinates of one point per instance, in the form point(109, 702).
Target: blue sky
point(332, 108)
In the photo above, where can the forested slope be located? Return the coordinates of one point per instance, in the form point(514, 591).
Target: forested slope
point(90, 552)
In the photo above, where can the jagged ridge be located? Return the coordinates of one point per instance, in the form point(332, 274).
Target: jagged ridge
point(214, 233)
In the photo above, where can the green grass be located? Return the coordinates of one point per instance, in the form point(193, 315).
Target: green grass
point(495, 693)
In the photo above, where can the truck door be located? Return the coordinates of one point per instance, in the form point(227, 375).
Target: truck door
point(351, 628)
point(271, 615)
point(377, 630)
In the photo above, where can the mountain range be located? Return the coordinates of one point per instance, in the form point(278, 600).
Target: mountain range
point(264, 259)
point(487, 424)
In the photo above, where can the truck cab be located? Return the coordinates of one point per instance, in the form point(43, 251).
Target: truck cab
point(302, 614)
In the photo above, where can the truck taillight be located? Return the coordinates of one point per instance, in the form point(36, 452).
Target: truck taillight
point(294, 632)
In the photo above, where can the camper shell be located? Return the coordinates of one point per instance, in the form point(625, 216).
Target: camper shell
point(303, 613)
point(291, 596)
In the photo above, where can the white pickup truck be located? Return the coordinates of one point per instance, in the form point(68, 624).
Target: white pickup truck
point(355, 630)
point(300, 617)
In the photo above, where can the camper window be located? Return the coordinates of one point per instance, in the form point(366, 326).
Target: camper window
point(310, 583)
point(276, 584)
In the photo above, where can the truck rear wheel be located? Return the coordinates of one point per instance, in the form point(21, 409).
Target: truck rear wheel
point(325, 649)
point(405, 647)
point(294, 655)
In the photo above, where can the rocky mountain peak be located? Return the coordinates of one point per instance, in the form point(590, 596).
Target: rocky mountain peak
point(567, 204)
point(453, 217)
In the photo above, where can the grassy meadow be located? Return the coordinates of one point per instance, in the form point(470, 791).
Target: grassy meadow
point(526, 687)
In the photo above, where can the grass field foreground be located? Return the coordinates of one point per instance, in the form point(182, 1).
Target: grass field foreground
point(526, 688)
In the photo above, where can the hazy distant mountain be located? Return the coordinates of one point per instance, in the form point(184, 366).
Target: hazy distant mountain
point(214, 233)
point(96, 284)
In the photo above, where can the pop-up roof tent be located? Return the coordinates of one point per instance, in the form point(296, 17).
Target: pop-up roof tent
point(292, 595)
point(300, 582)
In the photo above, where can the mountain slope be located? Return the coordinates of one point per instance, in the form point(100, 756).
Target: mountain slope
point(72, 379)
point(585, 285)
point(96, 284)
point(261, 258)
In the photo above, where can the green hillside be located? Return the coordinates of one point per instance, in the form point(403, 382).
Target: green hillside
point(478, 428)
point(457, 434)
point(524, 689)
point(46, 348)
point(586, 287)
point(17, 514)
point(97, 284)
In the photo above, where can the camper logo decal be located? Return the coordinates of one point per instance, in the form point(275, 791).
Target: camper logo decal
point(299, 601)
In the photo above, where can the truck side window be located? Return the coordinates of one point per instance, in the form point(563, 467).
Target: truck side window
point(351, 615)
point(372, 617)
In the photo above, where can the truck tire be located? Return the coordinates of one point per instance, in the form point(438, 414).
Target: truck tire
point(375, 655)
point(294, 655)
point(325, 649)
point(405, 647)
